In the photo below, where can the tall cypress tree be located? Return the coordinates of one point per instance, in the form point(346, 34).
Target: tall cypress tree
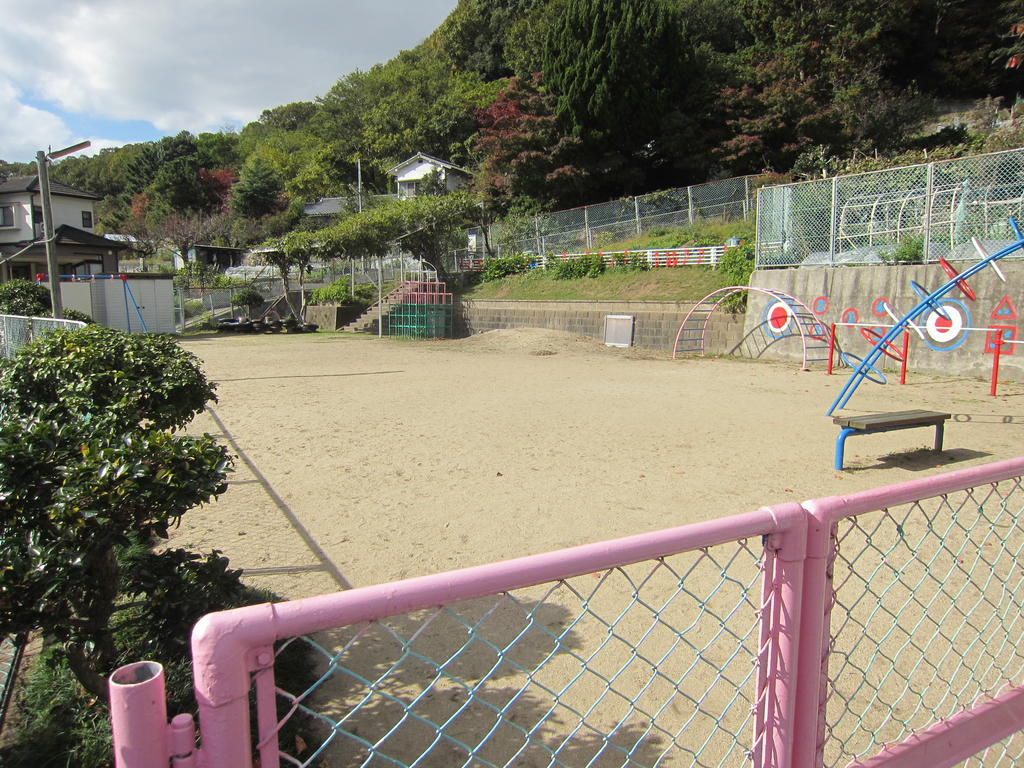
point(624, 75)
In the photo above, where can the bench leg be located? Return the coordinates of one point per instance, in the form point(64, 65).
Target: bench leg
point(844, 433)
point(939, 429)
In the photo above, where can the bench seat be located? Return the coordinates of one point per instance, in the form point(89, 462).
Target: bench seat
point(887, 422)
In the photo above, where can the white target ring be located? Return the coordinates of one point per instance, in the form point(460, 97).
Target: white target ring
point(778, 317)
point(946, 333)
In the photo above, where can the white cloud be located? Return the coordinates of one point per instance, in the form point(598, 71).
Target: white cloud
point(22, 126)
point(194, 64)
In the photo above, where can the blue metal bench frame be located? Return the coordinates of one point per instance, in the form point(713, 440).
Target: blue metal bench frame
point(887, 422)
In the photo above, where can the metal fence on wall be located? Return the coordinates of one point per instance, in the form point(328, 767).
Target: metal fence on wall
point(594, 226)
point(17, 331)
point(933, 210)
point(882, 626)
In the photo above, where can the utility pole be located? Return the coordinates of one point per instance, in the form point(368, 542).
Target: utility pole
point(57, 307)
point(42, 161)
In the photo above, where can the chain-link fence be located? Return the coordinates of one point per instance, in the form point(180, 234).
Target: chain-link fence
point(595, 226)
point(17, 331)
point(916, 213)
point(883, 625)
point(927, 620)
point(623, 667)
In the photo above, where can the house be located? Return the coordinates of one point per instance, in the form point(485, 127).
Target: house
point(79, 250)
point(410, 173)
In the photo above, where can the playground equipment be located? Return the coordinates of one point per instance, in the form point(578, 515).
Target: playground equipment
point(929, 303)
point(781, 316)
point(422, 310)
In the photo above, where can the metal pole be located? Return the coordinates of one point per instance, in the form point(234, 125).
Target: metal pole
point(51, 246)
point(636, 214)
point(380, 297)
point(833, 223)
point(352, 276)
point(359, 183)
point(929, 191)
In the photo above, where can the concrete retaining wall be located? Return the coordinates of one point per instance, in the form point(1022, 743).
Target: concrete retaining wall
point(655, 323)
point(843, 293)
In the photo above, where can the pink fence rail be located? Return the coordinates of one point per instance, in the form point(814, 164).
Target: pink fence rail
point(881, 627)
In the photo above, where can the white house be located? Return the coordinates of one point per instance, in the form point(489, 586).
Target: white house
point(80, 251)
point(409, 173)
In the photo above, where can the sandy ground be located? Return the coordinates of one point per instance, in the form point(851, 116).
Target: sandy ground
point(362, 460)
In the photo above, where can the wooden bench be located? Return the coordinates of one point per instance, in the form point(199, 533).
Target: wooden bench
point(887, 422)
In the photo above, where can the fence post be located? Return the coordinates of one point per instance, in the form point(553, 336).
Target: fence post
point(812, 664)
point(928, 193)
point(833, 223)
point(138, 715)
point(536, 235)
point(636, 214)
point(689, 203)
point(775, 726)
point(586, 227)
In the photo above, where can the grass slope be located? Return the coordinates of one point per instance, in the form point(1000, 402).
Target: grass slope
point(670, 284)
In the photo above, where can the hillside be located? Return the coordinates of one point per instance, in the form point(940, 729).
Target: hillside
point(655, 94)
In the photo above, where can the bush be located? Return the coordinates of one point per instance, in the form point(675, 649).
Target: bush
point(196, 275)
point(496, 269)
point(24, 297)
point(249, 298)
point(737, 264)
point(632, 262)
point(590, 265)
point(909, 251)
point(338, 292)
point(74, 314)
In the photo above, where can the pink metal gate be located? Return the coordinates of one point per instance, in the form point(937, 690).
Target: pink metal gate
point(879, 628)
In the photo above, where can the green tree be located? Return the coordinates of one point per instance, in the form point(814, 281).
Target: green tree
point(525, 156)
point(624, 75)
point(258, 191)
point(90, 462)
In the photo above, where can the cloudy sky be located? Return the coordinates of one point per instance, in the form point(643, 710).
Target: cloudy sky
point(120, 71)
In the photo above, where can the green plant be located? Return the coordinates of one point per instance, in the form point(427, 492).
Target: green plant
point(194, 307)
point(590, 265)
point(496, 269)
point(249, 298)
point(24, 297)
point(74, 314)
point(632, 262)
point(909, 251)
point(197, 275)
point(91, 460)
point(338, 292)
point(737, 265)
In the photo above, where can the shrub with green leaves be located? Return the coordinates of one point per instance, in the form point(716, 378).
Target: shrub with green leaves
point(74, 314)
point(909, 251)
point(632, 262)
point(338, 292)
point(249, 298)
point(590, 265)
point(24, 297)
point(737, 264)
point(90, 461)
point(505, 266)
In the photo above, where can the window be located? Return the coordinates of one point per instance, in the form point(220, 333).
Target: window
point(6, 215)
point(87, 219)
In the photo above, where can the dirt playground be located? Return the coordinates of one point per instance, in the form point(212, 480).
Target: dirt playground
point(361, 460)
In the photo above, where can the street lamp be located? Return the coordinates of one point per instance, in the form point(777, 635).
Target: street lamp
point(42, 159)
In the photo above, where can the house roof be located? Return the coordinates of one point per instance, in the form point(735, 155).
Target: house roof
point(68, 234)
point(419, 157)
point(31, 184)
